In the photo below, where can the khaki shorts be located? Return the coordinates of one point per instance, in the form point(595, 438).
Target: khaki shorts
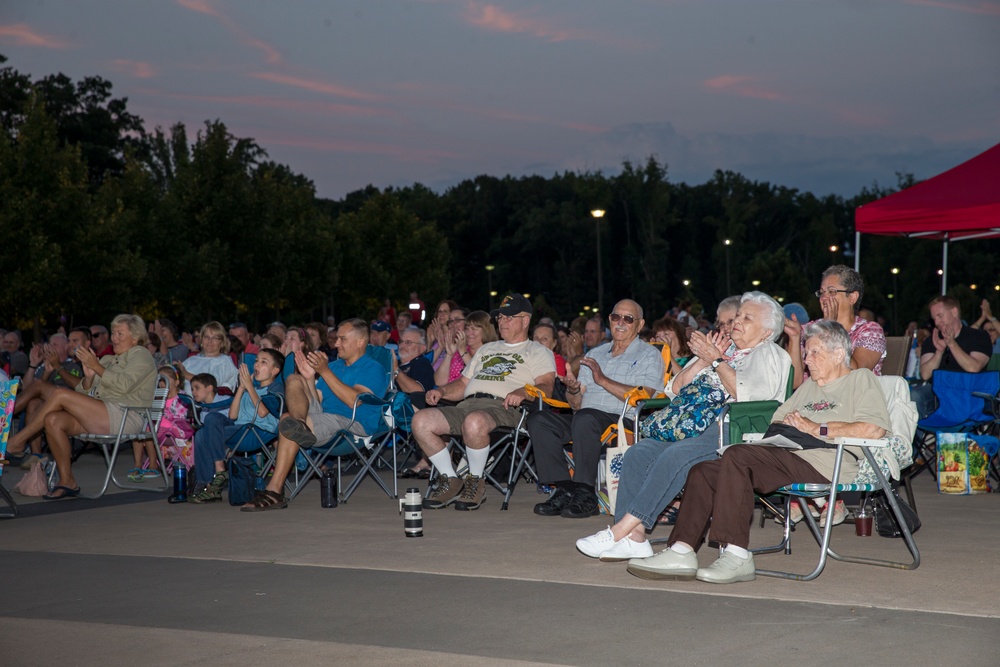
point(135, 423)
point(455, 415)
point(326, 425)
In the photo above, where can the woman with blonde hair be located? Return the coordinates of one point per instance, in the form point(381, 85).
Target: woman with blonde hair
point(214, 359)
point(125, 377)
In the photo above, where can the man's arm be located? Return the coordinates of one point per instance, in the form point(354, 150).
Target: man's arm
point(971, 362)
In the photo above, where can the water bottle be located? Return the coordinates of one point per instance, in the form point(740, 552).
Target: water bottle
point(180, 484)
point(328, 489)
point(411, 507)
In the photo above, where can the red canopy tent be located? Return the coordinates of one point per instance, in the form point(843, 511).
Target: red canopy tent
point(960, 204)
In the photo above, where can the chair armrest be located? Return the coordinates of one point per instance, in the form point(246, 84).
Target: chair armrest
point(653, 403)
point(370, 399)
point(862, 442)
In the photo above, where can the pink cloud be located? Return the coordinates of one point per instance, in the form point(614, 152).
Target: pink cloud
point(325, 108)
point(133, 68)
point(495, 19)
point(271, 55)
point(742, 87)
point(22, 35)
point(313, 85)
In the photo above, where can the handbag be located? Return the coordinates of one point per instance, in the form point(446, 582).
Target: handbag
point(244, 482)
point(885, 520)
point(34, 483)
point(696, 407)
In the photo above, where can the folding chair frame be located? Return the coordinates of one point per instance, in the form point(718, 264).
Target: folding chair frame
point(8, 391)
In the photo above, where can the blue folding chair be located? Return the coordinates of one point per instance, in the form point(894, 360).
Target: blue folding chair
point(963, 407)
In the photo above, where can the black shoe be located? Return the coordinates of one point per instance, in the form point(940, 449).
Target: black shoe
point(559, 499)
point(581, 505)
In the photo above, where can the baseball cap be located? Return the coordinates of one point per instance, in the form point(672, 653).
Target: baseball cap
point(380, 326)
point(513, 304)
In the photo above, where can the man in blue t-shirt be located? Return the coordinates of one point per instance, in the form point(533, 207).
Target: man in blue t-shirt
point(320, 401)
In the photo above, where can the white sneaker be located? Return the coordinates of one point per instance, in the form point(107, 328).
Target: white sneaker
point(839, 514)
point(596, 544)
point(625, 548)
point(728, 569)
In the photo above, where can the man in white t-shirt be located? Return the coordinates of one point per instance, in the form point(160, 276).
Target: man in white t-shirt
point(490, 389)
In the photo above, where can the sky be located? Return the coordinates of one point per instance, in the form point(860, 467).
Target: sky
point(826, 96)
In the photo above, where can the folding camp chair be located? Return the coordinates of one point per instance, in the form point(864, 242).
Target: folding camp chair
point(365, 450)
point(961, 409)
point(251, 439)
point(110, 443)
point(902, 414)
point(8, 390)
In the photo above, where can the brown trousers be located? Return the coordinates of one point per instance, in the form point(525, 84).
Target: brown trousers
point(722, 491)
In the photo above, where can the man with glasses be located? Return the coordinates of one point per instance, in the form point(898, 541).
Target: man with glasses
point(413, 372)
point(490, 389)
point(100, 341)
point(597, 397)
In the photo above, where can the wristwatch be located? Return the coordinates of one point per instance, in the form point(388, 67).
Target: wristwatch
point(717, 363)
point(823, 430)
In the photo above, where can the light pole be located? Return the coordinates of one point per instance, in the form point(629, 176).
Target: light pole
point(895, 299)
point(729, 284)
point(597, 214)
point(489, 281)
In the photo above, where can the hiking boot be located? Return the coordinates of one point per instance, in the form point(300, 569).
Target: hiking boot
point(473, 493)
point(445, 491)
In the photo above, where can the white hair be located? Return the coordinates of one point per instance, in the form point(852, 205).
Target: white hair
point(774, 316)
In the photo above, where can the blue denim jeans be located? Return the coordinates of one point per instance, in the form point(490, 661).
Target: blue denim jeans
point(654, 472)
point(210, 445)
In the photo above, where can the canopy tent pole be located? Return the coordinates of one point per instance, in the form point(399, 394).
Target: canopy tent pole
point(944, 268)
point(857, 251)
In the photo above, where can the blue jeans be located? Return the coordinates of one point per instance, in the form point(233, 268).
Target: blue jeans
point(654, 472)
point(923, 396)
point(210, 445)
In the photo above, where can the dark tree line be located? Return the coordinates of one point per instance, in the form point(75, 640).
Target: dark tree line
point(100, 215)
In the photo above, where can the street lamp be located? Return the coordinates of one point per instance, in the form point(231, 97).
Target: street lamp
point(489, 280)
point(597, 214)
point(833, 254)
point(729, 286)
point(895, 299)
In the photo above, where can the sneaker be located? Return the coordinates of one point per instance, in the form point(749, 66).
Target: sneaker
point(728, 569)
point(473, 493)
point(555, 504)
point(583, 504)
point(596, 544)
point(626, 549)
point(136, 475)
point(796, 513)
point(839, 514)
point(445, 491)
point(667, 565)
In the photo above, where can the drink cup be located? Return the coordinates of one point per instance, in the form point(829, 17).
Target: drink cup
point(863, 524)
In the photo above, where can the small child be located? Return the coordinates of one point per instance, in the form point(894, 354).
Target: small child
point(204, 388)
point(172, 436)
point(252, 404)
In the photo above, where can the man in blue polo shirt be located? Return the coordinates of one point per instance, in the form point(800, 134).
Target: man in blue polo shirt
point(320, 400)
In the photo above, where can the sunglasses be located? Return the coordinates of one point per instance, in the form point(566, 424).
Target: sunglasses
point(617, 317)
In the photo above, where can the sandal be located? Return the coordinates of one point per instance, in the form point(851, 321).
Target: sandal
point(669, 517)
point(265, 500)
point(66, 493)
point(413, 473)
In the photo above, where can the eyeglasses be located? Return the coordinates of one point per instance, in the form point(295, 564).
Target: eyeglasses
point(832, 291)
point(237, 325)
point(215, 337)
point(410, 342)
point(456, 320)
point(617, 317)
point(506, 318)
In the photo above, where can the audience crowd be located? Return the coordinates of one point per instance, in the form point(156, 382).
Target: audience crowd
point(464, 373)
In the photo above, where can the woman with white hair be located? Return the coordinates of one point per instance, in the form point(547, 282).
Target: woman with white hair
point(126, 377)
point(834, 402)
point(677, 438)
